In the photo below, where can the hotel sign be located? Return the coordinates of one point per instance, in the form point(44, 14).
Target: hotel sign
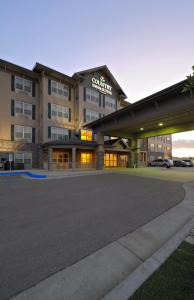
point(101, 85)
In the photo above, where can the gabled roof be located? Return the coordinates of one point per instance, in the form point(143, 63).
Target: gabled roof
point(106, 70)
point(114, 142)
point(15, 68)
point(39, 68)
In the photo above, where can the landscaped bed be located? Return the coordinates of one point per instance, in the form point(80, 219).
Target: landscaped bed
point(174, 280)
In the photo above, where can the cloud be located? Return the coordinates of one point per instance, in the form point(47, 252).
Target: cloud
point(183, 143)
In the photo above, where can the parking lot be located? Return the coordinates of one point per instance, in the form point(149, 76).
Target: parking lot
point(47, 225)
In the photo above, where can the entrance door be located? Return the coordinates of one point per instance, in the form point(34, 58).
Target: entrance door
point(123, 160)
point(143, 158)
point(110, 160)
point(86, 159)
point(61, 160)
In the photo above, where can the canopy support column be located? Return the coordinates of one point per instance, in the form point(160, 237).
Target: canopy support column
point(135, 153)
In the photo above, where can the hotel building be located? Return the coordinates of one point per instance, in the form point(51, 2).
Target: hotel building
point(43, 111)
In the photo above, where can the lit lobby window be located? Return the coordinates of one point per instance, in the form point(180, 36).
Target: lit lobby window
point(110, 160)
point(86, 135)
point(86, 158)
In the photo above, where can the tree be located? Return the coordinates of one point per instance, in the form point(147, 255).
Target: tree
point(189, 86)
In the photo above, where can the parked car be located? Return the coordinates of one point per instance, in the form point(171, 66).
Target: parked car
point(179, 163)
point(189, 162)
point(165, 163)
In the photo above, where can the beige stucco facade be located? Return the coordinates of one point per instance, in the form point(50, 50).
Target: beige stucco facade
point(43, 99)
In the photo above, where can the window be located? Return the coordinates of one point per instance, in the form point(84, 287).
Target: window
point(23, 108)
point(23, 133)
point(86, 158)
point(60, 157)
point(91, 115)
point(110, 160)
point(152, 147)
point(59, 111)
point(23, 85)
point(92, 96)
point(23, 157)
point(59, 89)
point(86, 135)
point(159, 147)
point(58, 133)
point(110, 103)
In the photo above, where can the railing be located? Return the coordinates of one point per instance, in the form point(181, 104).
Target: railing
point(71, 166)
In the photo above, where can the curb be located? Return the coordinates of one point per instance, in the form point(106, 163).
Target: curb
point(26, 173)
point(128, 286)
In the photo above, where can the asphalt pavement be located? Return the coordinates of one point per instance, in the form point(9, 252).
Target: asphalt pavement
point(47, 225)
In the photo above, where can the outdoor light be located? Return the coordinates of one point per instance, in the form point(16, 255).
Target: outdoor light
point(141, 128)
point(160, 124)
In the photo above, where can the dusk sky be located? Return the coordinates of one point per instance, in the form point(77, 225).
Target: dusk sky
point(147, 45)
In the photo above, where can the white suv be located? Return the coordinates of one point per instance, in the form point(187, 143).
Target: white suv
point(165, 163)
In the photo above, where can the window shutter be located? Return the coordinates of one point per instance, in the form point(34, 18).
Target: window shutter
point(49, 86)
point(33, 112)
point(84, 115)
point(84, 94)
point(100, 100)
point(13, 82)
point(33, 88)
point(33, 135)
point(49, 132)
point(69, 134)
point(49, 110)
point(12, 132)
point(69, 114)
point(93, 136)
point(100, 115)
point(103, 100)
point(116, 104)
point(69, 93)
point(12, 107)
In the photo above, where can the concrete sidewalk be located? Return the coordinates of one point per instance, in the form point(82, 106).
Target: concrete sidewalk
point(115, 271)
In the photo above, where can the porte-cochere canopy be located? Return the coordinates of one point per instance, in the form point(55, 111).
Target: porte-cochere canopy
point(165, 112)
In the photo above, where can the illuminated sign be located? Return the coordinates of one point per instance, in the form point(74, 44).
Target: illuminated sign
point(101, 85)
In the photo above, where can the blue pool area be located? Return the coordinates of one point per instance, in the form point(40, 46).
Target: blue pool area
point(27, 173)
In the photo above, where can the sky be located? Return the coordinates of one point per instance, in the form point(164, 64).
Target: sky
point(148, 45)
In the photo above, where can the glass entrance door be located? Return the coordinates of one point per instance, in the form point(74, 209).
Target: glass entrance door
point(61, 160)
point(110, 160)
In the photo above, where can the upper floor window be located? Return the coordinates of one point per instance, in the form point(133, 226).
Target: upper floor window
point(92, 96)
point(22, 133)
point(86, 135)
point(152, 146)
point(91, 115)
point(23, 85)
point(59, 111)
point(58, 133)
point(59, 89)
point(110, 103)
point(23, 108)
